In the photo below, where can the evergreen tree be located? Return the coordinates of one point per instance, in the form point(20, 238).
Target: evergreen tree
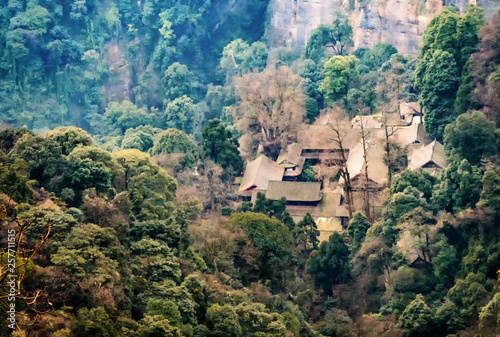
point(449, 40)
point(338, 37)
point(288, 221)
point(177, 81)
point(221, 147)
point(329, 265)
point(341, 75)
point(490, 195)
point(472, 137)
point(459, 188)
point(357, 231)
point(438, 90)
point(417, 318)
point(180, 114)
point(69, 137)
point(306, 233)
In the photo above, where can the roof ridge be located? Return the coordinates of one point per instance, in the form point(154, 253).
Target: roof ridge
point(262, 157)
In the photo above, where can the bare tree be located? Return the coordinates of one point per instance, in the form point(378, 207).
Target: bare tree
point(338, 125)
point(395, 82)
point(271, 107)
point(16, 256)
point(388, 132)
point(366, 184)
point(213, 191)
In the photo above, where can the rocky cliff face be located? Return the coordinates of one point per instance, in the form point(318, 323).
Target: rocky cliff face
point(398, 22)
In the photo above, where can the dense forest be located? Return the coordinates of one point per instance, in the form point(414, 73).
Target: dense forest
point(125, 128)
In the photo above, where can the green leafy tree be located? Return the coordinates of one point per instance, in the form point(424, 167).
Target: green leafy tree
point(449, 40)
point(154, 261)
point(459, 188)
point(418, 179)
point(74, 252)
point(43, 156)
point(288, 221)
point(438, 89)
point(357, 228)
point(175, 141)
point(489, 318)
point(468, 33)
point(440, 34)
point(218, 98)
point(239, 58)
point(466, 99)
point(177, 81)
point(219, 144)
point(272, 208)
point(471, 137)
point(337, 323)
point(341, 75)
point(375, 58)
point(446, 264)
point(338, 37)
point(403, 202)
point(398, 205)
point(417, 318)
point(69, 137)
point(448, 318)
point(95, 322)
point(180, 114)
point(10, 136)
point(156, 326)
point(306, 233)
point(87, 173)
point(329, 265)
point(151, 189)
point(271, 238)
point(312, 73)
point(256, 320)
point(140, 138)
point(223, 321)
point(470, 294)
point(490, 195)
point(95, 154)
point(14, 179)
point(119, 117)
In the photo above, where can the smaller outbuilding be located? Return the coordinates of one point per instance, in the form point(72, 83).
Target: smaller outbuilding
point(431, 158)
point(292, 161)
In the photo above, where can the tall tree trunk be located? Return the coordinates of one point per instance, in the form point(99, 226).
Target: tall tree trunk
point(388, 134)
point(344, 172)
point(366, 204)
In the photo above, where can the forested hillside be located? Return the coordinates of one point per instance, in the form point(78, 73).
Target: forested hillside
point(64, 61)
point(164, 173)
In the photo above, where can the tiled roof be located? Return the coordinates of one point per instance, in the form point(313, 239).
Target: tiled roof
point(432, 153)
point(259, 172)
point(294, 191)
point(412, 134)
point(377, 169)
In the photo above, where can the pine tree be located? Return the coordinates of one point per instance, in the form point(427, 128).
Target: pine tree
point(417, 318)
point(221, 147)
point(306, 233)
point(357, 230)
